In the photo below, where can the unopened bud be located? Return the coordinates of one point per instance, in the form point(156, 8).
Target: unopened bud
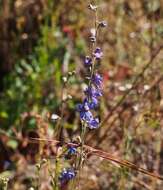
point(64, 79)
point(54, 117)
point(103, 24)
point(92, 7)
point(93, 39)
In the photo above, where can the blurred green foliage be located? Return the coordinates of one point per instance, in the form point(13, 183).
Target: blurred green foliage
point(32, 83)
point(35, 82)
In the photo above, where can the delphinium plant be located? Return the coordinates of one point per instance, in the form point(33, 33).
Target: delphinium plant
point(69, 157)
point(87, 108)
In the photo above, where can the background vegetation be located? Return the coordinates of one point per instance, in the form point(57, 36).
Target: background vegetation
point(43, 40)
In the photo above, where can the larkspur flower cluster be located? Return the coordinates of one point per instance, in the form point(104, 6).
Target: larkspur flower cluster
point(94, 89)
point(91, 101)
point(92, 93)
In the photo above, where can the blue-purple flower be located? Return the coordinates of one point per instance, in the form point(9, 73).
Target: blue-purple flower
point(94, 123)
point(85, 113)
point(83, 109)
point(98, 53)
point(97, 80)
point(66, 175)
point(71, 150)
point(91, 91)
point(86, 116)
point(88, 61)
point(93, 103)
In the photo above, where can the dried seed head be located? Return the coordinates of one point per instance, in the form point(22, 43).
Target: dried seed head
point(54, 117)
point(64, 79)
point(38, 166)
point(69, 97)
point(44, 161)
point(93, 31)
point(74, 72)
point(93, 39)
point(31, 188)
point(102, 24)
point(70, 73)
point(92, 7)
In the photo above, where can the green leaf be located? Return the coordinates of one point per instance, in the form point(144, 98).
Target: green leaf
point(12, 144)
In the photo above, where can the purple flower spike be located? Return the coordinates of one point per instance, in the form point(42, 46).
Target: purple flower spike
point(88, 61)
point(97, 80)
point(94, 123)
point(98, 53)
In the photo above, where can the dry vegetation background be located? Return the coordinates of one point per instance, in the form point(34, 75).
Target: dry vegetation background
point(41, 41)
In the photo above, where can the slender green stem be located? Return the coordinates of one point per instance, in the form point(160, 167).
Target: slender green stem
point(56, 175)
point(59, 125)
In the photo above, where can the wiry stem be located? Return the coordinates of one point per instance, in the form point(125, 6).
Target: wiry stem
point(84, 124)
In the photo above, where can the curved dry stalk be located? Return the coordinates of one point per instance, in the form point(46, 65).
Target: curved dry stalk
point(104, 155)
point(96, 152)
point(141, 183)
